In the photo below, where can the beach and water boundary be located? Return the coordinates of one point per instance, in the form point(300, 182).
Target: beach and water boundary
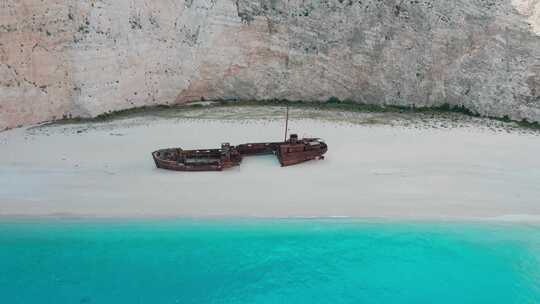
point(407, 208)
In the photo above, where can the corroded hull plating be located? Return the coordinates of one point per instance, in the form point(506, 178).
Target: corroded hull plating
point(290, 152)
point(197, 160)
point(291, 155)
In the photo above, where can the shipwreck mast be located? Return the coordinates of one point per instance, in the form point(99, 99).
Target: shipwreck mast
point(286, 123)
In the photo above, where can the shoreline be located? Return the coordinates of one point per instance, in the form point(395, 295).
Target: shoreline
point(383, 166)
point(504, 219)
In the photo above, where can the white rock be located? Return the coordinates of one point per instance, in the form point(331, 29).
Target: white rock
point(84, 58)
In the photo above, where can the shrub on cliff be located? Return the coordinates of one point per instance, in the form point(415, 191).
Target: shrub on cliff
point(333, 99)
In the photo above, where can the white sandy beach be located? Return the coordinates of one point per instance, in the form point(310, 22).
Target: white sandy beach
point(405, 170)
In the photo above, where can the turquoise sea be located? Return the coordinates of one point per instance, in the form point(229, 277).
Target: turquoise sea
point(267, 261)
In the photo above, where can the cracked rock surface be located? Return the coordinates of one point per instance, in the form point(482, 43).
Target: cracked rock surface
point(62, 58)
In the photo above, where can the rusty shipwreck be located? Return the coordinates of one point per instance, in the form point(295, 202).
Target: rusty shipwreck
point(291, 151)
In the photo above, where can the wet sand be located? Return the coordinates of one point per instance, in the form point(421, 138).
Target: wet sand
point(377, 166)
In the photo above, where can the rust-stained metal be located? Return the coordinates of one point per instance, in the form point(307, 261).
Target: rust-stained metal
point(289, 152)
point(197, 160)
point(286, 124)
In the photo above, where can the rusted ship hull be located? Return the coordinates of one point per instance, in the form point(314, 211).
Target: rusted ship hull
point(176, 166)
point(290, 152)
point(289, 158)
point(196, 160)
point(257, 148)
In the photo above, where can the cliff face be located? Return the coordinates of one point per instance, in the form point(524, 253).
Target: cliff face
point(85, 57)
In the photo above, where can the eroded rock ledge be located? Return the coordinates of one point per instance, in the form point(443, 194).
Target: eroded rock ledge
point(63, 58)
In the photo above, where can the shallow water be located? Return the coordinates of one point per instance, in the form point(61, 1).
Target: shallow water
point(267, 261)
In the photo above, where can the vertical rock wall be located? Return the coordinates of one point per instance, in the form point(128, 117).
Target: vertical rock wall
point(86, 57)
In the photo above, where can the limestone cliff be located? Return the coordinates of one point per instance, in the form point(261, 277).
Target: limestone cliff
point(85, 57)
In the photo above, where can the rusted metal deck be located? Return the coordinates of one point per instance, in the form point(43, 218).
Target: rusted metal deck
point(289, 152)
